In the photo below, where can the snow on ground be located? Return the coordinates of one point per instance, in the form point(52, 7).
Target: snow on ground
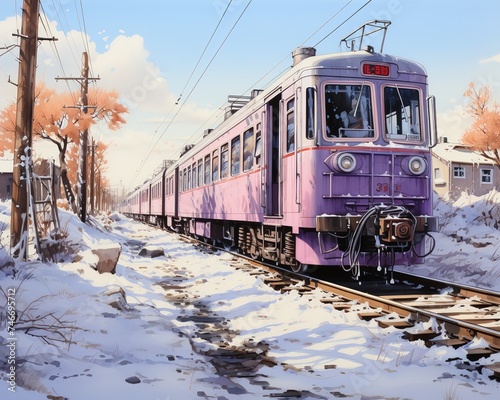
point(468, 244)
point(162, 342)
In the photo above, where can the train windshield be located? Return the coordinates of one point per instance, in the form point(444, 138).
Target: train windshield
point(402, 113)
point(348, 110)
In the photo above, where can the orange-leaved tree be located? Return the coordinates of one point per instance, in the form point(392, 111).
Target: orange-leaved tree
point(58, 118)
point(484, 135)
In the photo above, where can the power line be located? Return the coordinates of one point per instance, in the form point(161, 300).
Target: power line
point(343, 22)
point(190, 77)
point(46, 26)
point(287, 56)
point(192, 90)
point(262, 78)
point(205, 49)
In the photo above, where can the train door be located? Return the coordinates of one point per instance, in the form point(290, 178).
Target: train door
point(176, 192)
point(273, 154)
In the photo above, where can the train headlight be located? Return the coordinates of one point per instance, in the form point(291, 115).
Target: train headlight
point(346, 162)
point(417, 165)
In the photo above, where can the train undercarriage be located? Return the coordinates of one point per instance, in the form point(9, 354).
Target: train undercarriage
point(373, 239)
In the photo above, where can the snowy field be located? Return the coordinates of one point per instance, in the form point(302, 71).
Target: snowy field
point(183, 308)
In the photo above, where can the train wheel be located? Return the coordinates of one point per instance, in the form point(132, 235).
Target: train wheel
point(299, 268)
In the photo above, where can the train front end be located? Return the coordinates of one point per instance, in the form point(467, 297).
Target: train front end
point(380, 207)
point(370, 171)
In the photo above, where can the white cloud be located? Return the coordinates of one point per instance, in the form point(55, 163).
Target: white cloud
point(124, 67)
point(453, 123)
point(495, 58)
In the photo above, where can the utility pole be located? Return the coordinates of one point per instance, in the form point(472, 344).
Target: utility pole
point(83, 139)
point(82, 151)
point(92, 176)
point(24, 126)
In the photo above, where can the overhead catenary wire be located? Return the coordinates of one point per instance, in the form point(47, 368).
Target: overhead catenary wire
point(343, 22)
point(255, 84)
point(144, 160)
point(193, 88)
point(70, 40)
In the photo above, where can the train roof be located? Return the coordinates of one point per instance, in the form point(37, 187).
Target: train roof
point(353, 60)
point(338, 64)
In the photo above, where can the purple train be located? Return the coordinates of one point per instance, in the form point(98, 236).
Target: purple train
point(329, 166)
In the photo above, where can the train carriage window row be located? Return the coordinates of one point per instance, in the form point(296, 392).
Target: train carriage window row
point(223, 162)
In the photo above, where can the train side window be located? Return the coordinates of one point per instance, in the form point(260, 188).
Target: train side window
point(258, 146)
point(248, 150)
point(184, 180)
point(207, 169)
point(195, 174)
point(310, 106)
point(290, 126)
point(224, 161)
point(235, 155)
point(189, 176)
point(200, 172)
point(215, 166)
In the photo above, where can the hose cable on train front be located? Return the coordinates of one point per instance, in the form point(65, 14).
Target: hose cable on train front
point(433, 245)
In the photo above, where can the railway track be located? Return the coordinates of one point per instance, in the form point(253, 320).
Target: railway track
point(458, 313)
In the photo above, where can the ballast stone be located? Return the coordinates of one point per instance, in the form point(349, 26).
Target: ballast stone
point(151, 252)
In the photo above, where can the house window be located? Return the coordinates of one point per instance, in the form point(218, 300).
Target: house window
point(459, 172)
point(486, 176)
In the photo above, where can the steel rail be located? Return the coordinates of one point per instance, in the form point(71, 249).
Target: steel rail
point(462, 329)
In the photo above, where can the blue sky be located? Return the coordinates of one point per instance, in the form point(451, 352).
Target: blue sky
point(147, 51)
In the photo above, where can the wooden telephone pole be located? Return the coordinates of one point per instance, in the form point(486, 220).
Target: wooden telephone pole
point(83, 138)
point(24, 126)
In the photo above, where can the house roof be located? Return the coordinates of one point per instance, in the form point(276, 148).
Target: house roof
point(459, 153)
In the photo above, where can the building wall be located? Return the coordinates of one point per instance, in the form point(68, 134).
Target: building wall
point(441, 178)
point(5, 185)
point(452, 178)
point(474, 180)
